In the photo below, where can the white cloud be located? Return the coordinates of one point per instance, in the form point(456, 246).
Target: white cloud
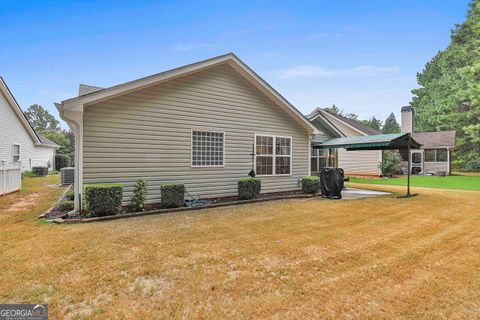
point(313, 71)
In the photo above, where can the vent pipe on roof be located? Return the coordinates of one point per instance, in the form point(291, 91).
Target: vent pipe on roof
point(408, 118)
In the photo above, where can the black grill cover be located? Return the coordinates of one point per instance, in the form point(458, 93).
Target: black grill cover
point(331, 182)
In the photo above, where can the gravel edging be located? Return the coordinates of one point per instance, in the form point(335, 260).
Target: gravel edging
point(43, 215)
point(182, 209)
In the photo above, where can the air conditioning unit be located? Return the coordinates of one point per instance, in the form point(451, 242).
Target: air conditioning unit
point(67, 175)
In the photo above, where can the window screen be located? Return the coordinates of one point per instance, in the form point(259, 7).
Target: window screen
point(207, 148)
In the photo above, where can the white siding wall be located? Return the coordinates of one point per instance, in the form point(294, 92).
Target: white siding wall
point(356, 162)
point(146, 134)
point(12, 132)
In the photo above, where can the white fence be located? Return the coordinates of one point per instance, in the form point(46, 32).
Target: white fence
point(10, 178)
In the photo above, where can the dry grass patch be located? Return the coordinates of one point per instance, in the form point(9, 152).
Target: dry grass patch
point(370, 258)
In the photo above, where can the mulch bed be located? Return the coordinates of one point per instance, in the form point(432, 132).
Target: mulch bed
point(62, 217)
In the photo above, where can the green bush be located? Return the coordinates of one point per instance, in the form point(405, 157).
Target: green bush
point(173, 195)
point(390, 164)
point(29, 174)
point(61, 161)
point(103, 199)
point(472, 165)
point(70, 195)
point(311, 184)
point(65, 205)
point(249, 188)
point(139, 195)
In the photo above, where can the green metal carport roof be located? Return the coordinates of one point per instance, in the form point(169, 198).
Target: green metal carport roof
point(374, 142)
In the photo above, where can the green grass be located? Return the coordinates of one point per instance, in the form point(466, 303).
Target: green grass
point(461, 182)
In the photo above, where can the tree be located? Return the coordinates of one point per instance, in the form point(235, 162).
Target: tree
point(449, 94)
point(352, 116)
point(42, 120)
point(373, 123)
point(63, 140)
point(390, 164)
point(391, 125)
point(334, 109)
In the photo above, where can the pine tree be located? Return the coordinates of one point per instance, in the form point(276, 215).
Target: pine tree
point(391, 125)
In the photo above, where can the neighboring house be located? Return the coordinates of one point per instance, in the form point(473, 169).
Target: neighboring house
point(436, 152)
point(360, 163)
point(18, 141)
point(201, 124)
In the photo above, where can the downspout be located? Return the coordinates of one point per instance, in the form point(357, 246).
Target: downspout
point(76, 130)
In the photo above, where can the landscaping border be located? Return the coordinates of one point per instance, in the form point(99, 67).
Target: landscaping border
point(181, 209)
point(62, 196)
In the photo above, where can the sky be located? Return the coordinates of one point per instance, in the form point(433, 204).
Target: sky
point(362, 56)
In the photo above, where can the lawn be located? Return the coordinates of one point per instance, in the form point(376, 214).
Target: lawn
point(457, 181)
point(370, 258)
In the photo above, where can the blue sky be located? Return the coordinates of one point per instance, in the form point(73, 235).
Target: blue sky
point(361, 55)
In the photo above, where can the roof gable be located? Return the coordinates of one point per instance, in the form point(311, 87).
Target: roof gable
point(238, 65)
point(18, 111)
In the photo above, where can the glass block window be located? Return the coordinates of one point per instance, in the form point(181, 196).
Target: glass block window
point(207, 148)
point(16, 153)
point(273, 155)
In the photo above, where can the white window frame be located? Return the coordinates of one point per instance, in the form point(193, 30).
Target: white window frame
point(13, 152)
point(191, 149)
point(274, 154)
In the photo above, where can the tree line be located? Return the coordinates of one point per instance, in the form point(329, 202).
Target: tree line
point(390, 125)
point(47, 125)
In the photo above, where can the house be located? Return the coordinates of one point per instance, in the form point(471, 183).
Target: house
point(19, 143)
point(206, 125)
point(435, 154)
point(359, 163)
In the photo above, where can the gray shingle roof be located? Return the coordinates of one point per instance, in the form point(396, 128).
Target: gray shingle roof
point(435, 139)
point(46, 141)
point(356, 124)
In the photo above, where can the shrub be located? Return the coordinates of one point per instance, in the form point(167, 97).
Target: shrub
point(390, 164)
point(70, 195)
point(65, 205)
point(103, 199)
point(62, 161)
point(249, 188)
point(472, 165)
point(139, 195)
point(311, 184)
point(29, 174)
point(53, 172)
point(172, 195)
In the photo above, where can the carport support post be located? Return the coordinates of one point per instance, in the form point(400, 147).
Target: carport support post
point(408, 195)
point(409, 164)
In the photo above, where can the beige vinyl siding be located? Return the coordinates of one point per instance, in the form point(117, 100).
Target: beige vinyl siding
point(147, 134)
point(356, 162)
point(12, 131)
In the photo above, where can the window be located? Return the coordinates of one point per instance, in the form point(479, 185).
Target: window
point(430, 155)
point(322, 158)
point(436, 155)
point(273, 155)
point(207, 149)
point(16, 153)
point(416, 157)
point(441, 155)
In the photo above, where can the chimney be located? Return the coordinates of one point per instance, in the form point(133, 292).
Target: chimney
point(408, 116)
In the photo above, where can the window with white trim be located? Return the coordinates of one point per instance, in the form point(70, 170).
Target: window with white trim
point(273, 155)
point(16, 153)
point(207, 148)
point(436, 155)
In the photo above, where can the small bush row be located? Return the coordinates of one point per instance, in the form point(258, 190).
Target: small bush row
point(106, 199)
